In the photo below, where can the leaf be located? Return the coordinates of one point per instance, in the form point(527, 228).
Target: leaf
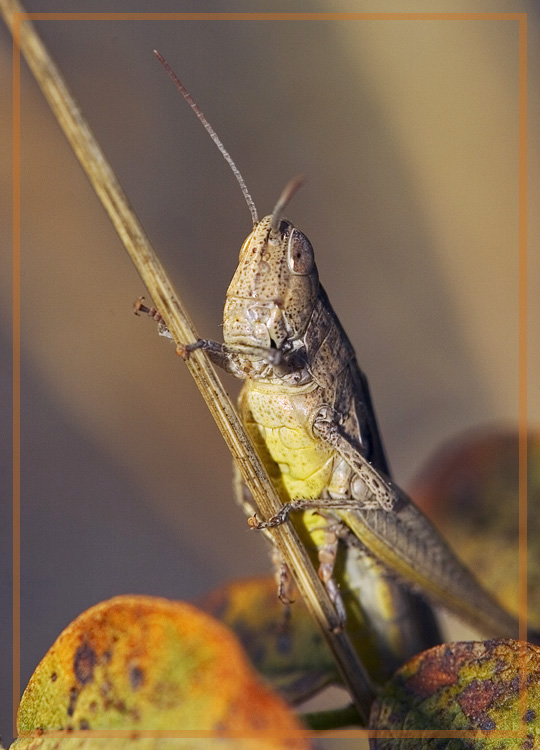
point(290, 653)
point(470, 489)
point(147, 743)
point(465, 686)
point(137, 662)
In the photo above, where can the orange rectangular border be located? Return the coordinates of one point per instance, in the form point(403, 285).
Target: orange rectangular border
point(521, 18)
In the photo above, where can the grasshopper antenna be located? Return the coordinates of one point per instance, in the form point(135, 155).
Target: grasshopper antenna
point(212, 133)
point(285, 197)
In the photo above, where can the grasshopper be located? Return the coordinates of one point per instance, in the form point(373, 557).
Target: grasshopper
point(307, 407)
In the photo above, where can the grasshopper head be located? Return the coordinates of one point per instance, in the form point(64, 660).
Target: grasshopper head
point(272, 294)
point(274, 289)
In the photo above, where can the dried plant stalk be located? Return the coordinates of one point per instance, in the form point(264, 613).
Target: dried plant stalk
point(179, 324)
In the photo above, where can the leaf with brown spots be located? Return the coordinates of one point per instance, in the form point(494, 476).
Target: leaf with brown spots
point(462, 686)
point(283, 645)
point(143, 663)
point(470, 489)
point(142, 743)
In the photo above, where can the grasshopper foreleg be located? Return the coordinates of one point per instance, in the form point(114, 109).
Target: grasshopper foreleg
point(217, 352)
point(220, 354)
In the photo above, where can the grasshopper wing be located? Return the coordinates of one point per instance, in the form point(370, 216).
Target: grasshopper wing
point(407, 542)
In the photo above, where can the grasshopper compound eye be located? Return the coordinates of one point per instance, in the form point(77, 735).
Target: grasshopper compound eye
point(300, 256)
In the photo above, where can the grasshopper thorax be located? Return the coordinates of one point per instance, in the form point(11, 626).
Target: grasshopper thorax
point(274, 290)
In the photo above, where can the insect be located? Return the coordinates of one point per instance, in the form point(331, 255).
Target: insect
point(307, 407)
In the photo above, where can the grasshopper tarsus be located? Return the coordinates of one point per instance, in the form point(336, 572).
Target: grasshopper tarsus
point(138, 306)
point(253, 522)
point(152, 312)
point(181, 351)
point(185, 350)
point(280, 518)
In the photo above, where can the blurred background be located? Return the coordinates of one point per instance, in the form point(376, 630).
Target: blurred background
point(407, 133)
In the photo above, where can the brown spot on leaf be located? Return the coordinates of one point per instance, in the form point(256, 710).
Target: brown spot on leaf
point(73, 693)
point(106, 692)
point(486, 724)
point(84, 663)
point(435, 672)
point(136, 677)
point(476, 697)
point(105, 688)
point(54, 677)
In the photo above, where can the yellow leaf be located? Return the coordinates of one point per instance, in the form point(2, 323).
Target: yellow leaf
point(143, 663)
